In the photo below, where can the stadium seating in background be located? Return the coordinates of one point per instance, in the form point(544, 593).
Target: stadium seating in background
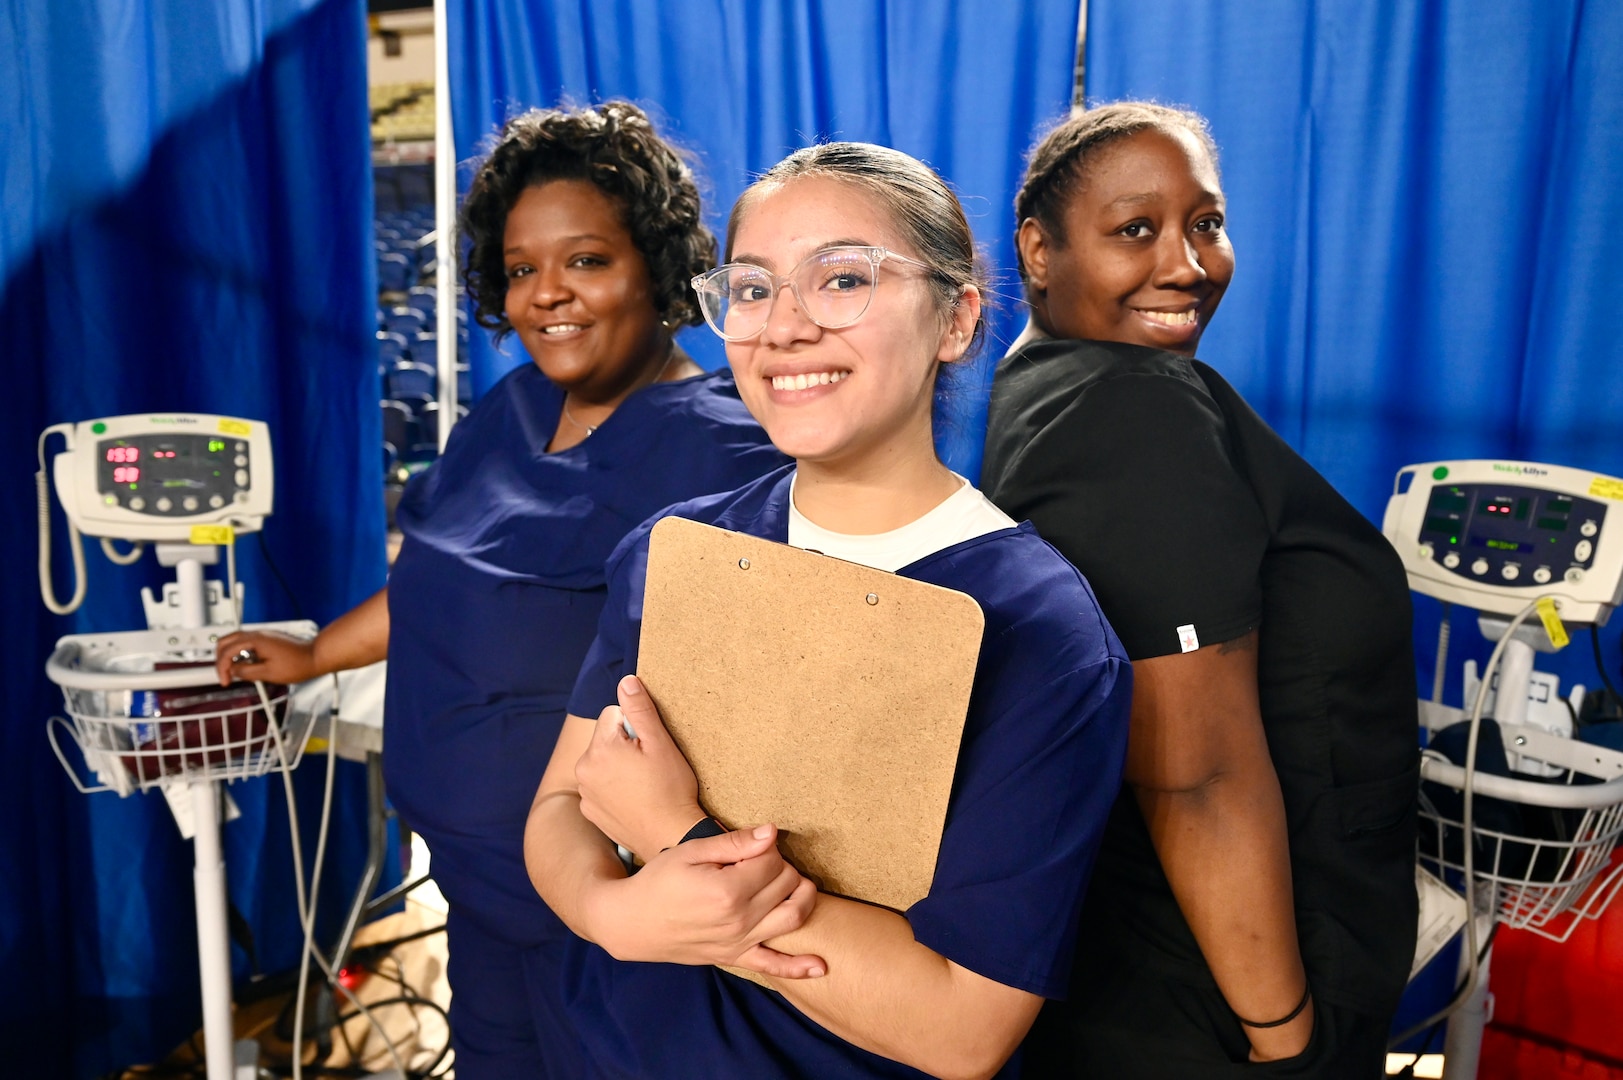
point(408, 322)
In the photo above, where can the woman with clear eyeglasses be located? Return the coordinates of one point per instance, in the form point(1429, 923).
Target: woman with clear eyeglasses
point(584, 227)
point(850, 281)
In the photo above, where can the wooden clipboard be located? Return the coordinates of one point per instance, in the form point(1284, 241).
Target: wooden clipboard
point(824, 696)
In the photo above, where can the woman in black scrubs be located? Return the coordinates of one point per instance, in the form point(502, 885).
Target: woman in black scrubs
point(1255, 900)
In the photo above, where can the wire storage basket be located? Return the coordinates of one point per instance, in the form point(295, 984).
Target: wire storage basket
point(145, 709)
point(1544, 845)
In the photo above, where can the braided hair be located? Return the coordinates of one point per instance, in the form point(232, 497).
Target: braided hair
point(613, 146)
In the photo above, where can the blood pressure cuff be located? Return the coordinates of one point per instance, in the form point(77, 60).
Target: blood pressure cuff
point(1512, 840)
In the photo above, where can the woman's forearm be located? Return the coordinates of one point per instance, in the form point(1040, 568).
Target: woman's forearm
point(1224, 847)
point(567, 857)
point(356, 638)
point(889, 994)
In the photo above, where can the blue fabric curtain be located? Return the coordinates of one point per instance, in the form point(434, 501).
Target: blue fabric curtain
point(186, 227)
point(958, 83)
point(1422, 199)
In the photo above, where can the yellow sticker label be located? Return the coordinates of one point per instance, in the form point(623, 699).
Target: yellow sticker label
point(213, 534)
point(1552, 623)
point(1606, 487)
point(236, 427)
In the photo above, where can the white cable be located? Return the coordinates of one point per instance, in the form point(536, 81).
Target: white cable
point(231, 579)
point(129, 558)
point(76, 546)
point(231, 567)
point(1467, 824)
point(307, 911)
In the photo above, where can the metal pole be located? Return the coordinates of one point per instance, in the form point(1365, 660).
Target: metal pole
point(444, 226)
point(1462, 1048)
point(376, 841)
point(213, 938)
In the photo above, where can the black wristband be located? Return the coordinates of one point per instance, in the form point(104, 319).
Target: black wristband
point(1307, 992)
point(706, 827)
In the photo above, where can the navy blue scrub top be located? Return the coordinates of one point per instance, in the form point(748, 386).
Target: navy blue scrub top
point(494, 600)
point(1039, 768)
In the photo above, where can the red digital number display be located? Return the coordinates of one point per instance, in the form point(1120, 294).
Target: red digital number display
point(124, 454)
point(126, 474)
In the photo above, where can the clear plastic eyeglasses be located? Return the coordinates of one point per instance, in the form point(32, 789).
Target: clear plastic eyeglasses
point(833, 287)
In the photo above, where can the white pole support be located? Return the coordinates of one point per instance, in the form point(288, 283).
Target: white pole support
point(1515, 677)
point(193, 608)
point(213, 938)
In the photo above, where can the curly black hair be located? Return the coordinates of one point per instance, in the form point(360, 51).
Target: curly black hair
point(1058, 162)
point(614, 146)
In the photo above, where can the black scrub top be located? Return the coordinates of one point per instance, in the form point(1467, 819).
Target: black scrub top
point(1196, 523)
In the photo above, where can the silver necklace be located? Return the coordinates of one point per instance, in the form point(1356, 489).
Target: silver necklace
point(591, 429)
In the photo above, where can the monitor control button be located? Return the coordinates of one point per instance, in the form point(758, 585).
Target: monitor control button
point(1541, 575)
point(242, 459)
point(189, 502)
point(242, 478)
point(138, 503)
point(1479, 567)
point(164, 504)
point(216, 501)
point(1583, 550)
point(1510, 571)
point(1451, 560)
point(1588, 528)
point(1575, 575)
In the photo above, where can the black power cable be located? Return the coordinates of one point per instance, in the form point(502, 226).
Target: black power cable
point(1600, 664)
point(264, 551)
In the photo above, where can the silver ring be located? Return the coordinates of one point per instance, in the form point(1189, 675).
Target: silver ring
point(245, 656)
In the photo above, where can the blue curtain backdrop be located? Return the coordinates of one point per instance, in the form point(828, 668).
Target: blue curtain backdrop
point(958, 83)
point(1422, 199)
point(186, 226)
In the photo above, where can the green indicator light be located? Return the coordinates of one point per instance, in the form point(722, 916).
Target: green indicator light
point(216, 472)
point(98, 427)
point(1440, 472)
point(215, 446)
point(132, 487)
point(1453, 539)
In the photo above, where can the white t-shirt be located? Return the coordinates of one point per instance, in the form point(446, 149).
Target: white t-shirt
point(963, 515)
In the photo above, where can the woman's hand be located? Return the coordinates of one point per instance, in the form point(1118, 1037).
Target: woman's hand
point(710, 901)
point(273, 657)
point(638, 790)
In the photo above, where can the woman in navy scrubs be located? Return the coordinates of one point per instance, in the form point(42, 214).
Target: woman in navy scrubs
point(1254, 900)
point(585, 229)
point(850, 280)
